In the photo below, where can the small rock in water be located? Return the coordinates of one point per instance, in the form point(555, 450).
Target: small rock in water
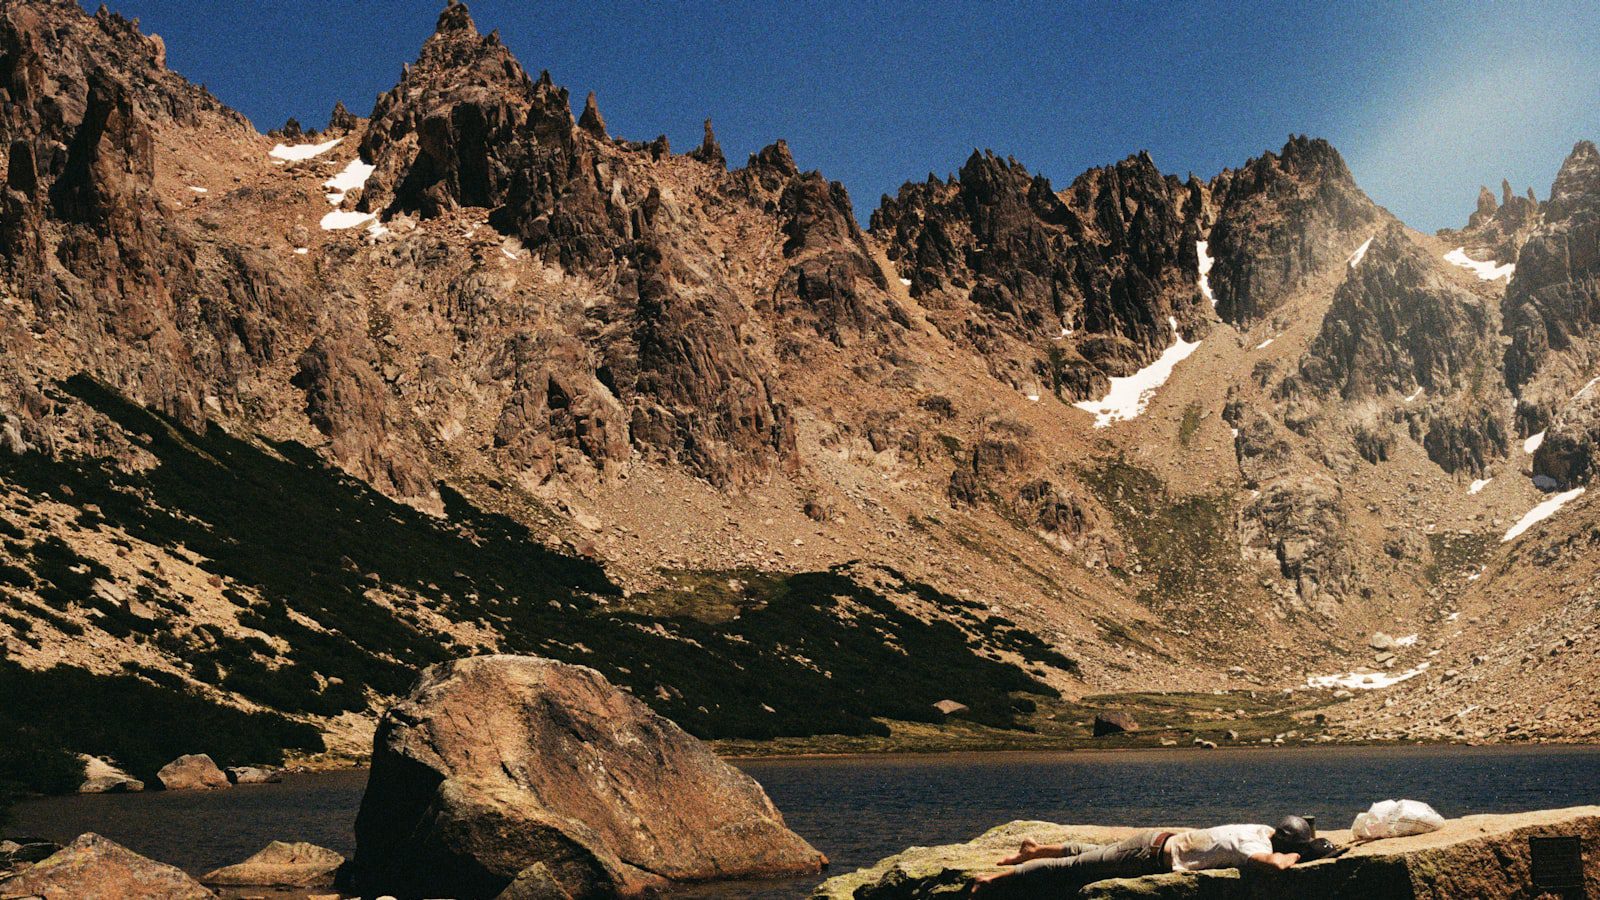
point(282, 864)
point(254, 775)
point(195, 771)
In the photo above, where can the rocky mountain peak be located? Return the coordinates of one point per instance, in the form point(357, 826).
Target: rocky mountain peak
point(455, 18)
point(1577, 185)
point(1486, 206)
point(462, 126)
point(1108, 263)
point(1280, 219)
point(1553, 305)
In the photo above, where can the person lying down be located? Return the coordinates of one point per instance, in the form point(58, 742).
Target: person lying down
point(1041, 869)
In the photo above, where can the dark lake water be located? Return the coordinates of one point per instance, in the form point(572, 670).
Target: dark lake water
point(861, 809)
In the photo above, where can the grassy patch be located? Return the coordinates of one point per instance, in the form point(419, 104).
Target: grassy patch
point(1190, 424)
point(1454, 554)
point(1186, 547)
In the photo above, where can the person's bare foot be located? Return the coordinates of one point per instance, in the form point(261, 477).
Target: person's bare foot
point(1029, 850)
point(979, 882)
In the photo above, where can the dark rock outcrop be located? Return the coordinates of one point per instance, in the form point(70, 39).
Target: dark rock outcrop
point(93, 867)
point(1570, 452)
point(710, 151)
point(591, 120)
point(1397, 323)
point(1282, 218)
point(497, 765)
point(1097, 270)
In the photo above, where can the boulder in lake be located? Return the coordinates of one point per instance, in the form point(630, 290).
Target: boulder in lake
point(1483, 857)
point(193, 772)
point(101, 777)
point(254, 775)
point(1114, 723)
point(496, 765)
point(93, 868)
point(282, 864)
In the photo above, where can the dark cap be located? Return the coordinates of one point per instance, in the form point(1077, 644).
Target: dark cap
point(1291, 832)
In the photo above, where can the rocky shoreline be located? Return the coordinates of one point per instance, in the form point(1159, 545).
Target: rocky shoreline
point(1484, 857)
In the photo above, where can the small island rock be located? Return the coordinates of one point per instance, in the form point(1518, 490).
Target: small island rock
point(282, 864)
point(193, 772)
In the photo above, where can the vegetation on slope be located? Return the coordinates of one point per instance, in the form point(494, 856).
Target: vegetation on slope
point(299, 547)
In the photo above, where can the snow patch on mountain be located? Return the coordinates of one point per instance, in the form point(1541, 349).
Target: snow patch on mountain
point(1202, 249)
point(298, 152)
point(350, 178)
point(1541, 512)
point(1487, 271)
point(1129, 395)
point(341, 219)
point(1361, 253)
point(1365, 681)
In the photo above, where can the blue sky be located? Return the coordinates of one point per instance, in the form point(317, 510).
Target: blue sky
point(1425, 100)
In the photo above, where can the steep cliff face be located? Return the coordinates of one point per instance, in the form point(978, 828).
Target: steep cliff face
point(172, 314)
point(1282, 218)
point(1094, 273)
point(1552, 307)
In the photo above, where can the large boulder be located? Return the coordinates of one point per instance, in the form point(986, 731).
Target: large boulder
point(496, 765)
point(93, 868)
point(1113, 722)
point(282, 864)
point(194, 772)
point(101, 777)
point(1483, 857)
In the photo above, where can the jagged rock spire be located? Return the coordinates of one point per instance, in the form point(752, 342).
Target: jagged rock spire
point(341, 119)
point(454, 18)
point(709, 150)
point(1505, 190)
point(591, 120)
point(1486, 206)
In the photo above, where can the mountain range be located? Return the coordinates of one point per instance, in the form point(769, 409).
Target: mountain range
point(285, 417)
